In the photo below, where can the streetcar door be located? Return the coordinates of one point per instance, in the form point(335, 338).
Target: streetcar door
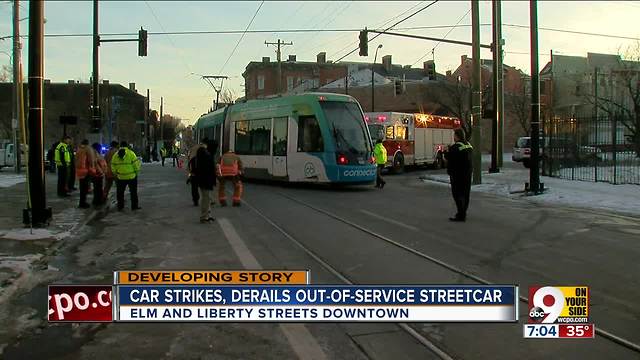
point(279, 146)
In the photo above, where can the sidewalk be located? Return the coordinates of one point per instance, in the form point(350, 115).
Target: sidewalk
point(24, 251)
point(510, 182)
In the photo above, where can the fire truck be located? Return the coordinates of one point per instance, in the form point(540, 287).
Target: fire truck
point(412, 139)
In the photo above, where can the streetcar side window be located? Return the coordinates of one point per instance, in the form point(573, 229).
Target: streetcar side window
point(253, 137)
point(309, 135)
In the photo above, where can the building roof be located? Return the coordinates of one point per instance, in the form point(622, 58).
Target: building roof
point(396, 71)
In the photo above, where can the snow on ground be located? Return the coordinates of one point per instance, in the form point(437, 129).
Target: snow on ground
point(29, 234)
point(510, 183)
point(8, 180)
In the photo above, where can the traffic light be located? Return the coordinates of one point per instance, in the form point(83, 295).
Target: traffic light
point(364, 43)
point(431, 70)
point(142, 42)
point(398, 86)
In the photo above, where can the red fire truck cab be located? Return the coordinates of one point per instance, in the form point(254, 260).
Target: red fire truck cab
point(412, 139)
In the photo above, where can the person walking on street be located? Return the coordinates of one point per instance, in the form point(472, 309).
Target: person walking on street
point(191, 156)
point(175, 151)
point(380, 153)
point(230, 169)
point(62, 159)
point(163, 154)
point(205, 177)
point(125, 167)
point(72, 169)
point(108, 175)
point(98, 176)
point(85, 167)
point(459, 168)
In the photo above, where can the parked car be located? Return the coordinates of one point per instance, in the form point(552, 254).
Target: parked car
point(522, 150)
point(7, 154)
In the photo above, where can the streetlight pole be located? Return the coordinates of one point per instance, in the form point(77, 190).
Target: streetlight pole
point(534, 170)
point(16, 81)
point(372, 80)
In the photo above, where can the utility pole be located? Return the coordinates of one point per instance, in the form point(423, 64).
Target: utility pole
point(501, 120)
point(373, 108)
point(17, 99)
point(534, 170)
point(145, 140)
point(40, 214)
point(210, 79)
point(476, 96)
point(497, 118)
point(95, 101)
point(161, 123)
point(279, 44)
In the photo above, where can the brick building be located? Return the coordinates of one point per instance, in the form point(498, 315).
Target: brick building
point(421, 89)
point(123, 111)
point(517, 95)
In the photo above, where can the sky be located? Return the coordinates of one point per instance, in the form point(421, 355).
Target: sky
point(174, 63)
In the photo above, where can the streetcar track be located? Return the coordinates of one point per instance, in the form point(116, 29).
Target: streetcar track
point(405, 327)
point(603, 333)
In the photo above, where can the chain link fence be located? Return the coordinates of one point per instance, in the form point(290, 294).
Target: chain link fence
point(590, 149)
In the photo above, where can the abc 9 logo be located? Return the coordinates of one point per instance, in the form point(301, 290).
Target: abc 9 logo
point(548, 303)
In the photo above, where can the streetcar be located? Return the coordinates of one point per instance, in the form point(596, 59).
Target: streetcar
point(311, 137)
point(412, 138)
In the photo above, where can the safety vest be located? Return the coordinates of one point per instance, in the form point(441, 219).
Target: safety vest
point(464, 146)
point(127, 167)
point(163, 152)
point(62, 156)
point(380, 153)
point(85, 162)
point(229, 164)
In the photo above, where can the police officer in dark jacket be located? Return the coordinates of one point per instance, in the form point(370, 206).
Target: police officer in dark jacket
point(459, 168)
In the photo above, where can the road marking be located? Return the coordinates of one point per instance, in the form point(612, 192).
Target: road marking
point(299, 337)
point(395, 222)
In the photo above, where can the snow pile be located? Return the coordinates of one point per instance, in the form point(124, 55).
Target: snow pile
point(510, 183)
point(30, 234)
point(8, 180)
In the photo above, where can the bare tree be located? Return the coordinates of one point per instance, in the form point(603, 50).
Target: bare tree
point(228, 96)
point(6, 74)
point(454, 99)
point(519, 105)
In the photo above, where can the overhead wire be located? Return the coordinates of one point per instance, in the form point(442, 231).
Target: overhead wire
point(392, 26)
point(377, 26)
point(242, 37)
point(233, 32)
point(433, 49)
point(184, 61)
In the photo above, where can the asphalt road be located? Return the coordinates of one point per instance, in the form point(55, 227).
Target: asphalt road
point(296, 227)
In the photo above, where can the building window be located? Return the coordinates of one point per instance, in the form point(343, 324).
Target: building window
point(260, 82)
point(309, 135)
point(289, 83)
point(253, 137)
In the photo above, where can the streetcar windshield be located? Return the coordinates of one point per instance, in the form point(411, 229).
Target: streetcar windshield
point(347, 126)
point(377, 132)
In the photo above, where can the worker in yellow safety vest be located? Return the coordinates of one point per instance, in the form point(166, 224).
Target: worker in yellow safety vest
point(380, 153)
point(230, 169)
point(62, 157)
point(125, 166)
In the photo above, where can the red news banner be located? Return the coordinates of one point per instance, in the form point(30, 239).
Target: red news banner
point(78, 303)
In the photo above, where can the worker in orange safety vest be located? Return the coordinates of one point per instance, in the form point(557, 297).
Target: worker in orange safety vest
point(230, 169)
